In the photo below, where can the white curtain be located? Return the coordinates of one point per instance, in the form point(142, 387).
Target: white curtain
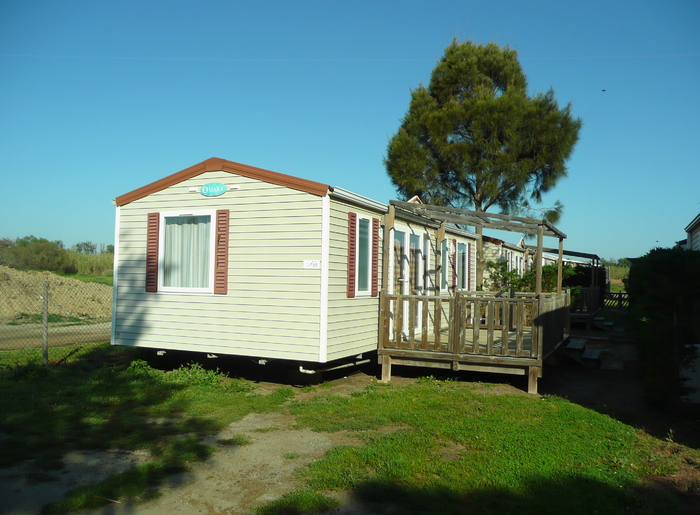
point(186, 251)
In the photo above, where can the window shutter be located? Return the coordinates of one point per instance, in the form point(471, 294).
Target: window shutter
point(352, 253)
point(454, 265)
point(375, 257)
point(221, 252)
point(152, 227)
point(469, 266)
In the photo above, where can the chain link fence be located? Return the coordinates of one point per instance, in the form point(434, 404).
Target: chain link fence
point(45, 317)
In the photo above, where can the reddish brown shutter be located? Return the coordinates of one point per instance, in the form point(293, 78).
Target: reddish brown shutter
point(469, 266)
point(375, 257)
point(352, 253)
point(152, 227)
point(454, 265)
point(221, 252)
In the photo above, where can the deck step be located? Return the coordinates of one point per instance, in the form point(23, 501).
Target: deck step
point(576, 345)
point(591, 358)
point(590, 354)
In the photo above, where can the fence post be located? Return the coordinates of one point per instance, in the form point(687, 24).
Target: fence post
point(45, 328)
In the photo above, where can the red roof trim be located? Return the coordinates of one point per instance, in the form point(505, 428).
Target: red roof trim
point(215, 164)
point(495, 241)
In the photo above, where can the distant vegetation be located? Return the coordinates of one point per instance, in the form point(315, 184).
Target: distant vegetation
point(32, 253)
point(619, 269)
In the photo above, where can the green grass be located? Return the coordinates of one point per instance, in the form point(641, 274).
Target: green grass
point(442, 447)
point(107, 398)
point(449, 449)
point(616, 288)
point(92, 264)
point(38, 318)
point(235, 440)
point(91, 278)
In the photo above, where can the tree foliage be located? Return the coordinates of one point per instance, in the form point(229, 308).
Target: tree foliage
point(32, 253)
point(474, 138)
point(85, 247)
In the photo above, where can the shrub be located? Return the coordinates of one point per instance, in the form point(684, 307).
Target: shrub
point(663, 287)
point(39, 255)
point(502, 279)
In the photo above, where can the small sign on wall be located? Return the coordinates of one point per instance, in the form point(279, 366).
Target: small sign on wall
point(213, 189)
point(312, 264)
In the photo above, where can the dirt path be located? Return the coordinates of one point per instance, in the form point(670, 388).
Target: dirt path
point(234, 480)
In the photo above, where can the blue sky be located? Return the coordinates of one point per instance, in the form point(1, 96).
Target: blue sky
point(99, 98)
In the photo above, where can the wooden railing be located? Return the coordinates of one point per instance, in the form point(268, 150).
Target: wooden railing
point(588, 301)
point(617, 300)
point(474, 323)
point(553, 321)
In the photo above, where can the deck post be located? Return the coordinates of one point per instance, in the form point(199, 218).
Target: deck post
point(384, 314)
point(386, 368)
point(532, 374)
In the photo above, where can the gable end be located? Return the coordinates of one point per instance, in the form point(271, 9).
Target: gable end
point(215, 164)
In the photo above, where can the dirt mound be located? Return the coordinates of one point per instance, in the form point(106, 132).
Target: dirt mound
point(22, 297)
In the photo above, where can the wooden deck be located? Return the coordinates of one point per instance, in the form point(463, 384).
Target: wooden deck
point(474, 331)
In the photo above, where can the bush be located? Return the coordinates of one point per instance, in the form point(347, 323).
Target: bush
point(663, 287)
point(501, 279)
point(38, 255)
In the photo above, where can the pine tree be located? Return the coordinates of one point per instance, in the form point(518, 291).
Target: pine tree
point(475, 139)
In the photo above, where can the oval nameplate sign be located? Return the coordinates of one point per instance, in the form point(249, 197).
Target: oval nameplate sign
point(213, 189)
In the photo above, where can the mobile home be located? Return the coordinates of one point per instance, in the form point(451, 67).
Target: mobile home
point(225, 258)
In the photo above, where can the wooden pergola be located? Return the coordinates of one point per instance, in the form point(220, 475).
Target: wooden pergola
point(472, 330)
point(497, 222)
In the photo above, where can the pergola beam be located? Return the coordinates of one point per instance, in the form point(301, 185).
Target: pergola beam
point(481, 219)
point(495, 221)
point(571, 253)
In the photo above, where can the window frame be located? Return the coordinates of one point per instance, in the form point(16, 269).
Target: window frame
point(368, 256)
point(352, 286)
point(444, 264)
point(462, 265)
point(209, 289)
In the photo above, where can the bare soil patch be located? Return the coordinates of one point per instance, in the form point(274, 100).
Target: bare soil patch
point(22, 292)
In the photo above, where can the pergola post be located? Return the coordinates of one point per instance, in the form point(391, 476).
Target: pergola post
point(388, 226)
point(561, 265)
point(540, 238)
point(439, 238)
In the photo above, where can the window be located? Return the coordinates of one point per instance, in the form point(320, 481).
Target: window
point(188, 252)
point(443, 265)
point(415, 263)
point(462, 266)
point(448, 270)
point(363, 256)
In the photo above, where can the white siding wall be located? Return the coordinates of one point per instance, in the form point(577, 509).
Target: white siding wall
point(352, 322)
point(272, 306)
point(471, 257)
point(694, 239)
